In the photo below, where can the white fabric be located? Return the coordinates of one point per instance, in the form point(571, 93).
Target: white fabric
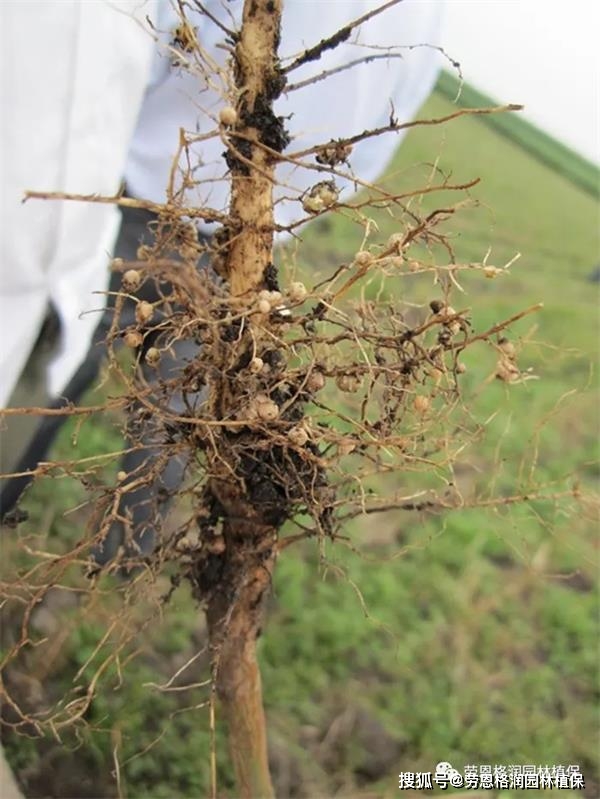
point(346, 103)
point(72, 77)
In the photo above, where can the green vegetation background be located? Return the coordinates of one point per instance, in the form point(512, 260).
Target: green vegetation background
point(481, 641)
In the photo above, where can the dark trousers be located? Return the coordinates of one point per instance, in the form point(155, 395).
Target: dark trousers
point(25, 440)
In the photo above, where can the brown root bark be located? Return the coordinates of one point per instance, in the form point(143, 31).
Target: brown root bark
point(259, 82)
point(235, 603)
point(234, 621)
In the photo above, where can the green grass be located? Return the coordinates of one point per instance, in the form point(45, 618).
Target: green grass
point(538, 144)
point(479, 643)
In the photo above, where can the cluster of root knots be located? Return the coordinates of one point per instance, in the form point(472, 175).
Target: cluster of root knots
point(268, 479)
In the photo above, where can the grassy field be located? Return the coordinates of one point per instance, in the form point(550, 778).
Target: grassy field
point(479, 644)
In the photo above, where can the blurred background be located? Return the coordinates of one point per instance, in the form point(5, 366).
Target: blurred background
point(523, 51)
point(475, 638)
